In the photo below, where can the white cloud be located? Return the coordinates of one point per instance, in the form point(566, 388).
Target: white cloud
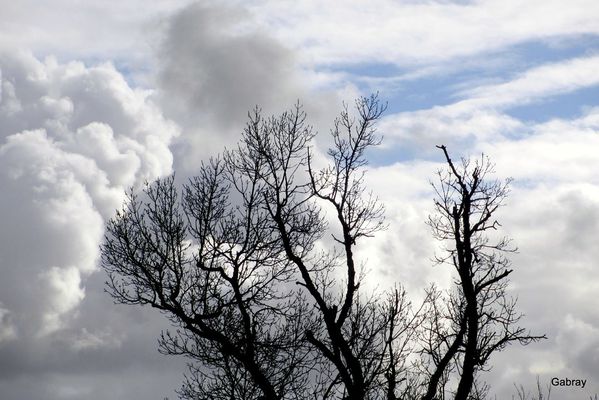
point(52, 231)
point(402, 33)
point(65, 294)
point(7, 329)
point(93, 30)
point(86, 340)
point(73, 139)
point(556, 151)
point(536, 84)
point(415, 32)
point(453, 125)
point(403, 253)
point(481, 117)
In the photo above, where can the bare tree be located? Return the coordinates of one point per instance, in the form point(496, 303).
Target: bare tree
point(262, 310)
point(265, 295)
point(213, 272)
point(478, 317)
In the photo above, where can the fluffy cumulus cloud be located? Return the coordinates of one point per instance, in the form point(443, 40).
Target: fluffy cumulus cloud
point(72, 139)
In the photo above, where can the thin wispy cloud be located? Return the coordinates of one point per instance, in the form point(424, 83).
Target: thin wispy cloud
point(535, 84)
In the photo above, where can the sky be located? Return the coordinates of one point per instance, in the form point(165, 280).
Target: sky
point(97, 97)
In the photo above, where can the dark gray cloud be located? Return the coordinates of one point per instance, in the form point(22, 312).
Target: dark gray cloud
point(215, 65)
point(212, 69)
point(107, 351)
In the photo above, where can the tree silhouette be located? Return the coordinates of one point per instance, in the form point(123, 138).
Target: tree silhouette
point(478, 318)
point(234, 264)
point(264, 291)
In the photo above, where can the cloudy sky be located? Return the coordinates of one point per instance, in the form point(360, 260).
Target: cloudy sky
point(99, 96)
